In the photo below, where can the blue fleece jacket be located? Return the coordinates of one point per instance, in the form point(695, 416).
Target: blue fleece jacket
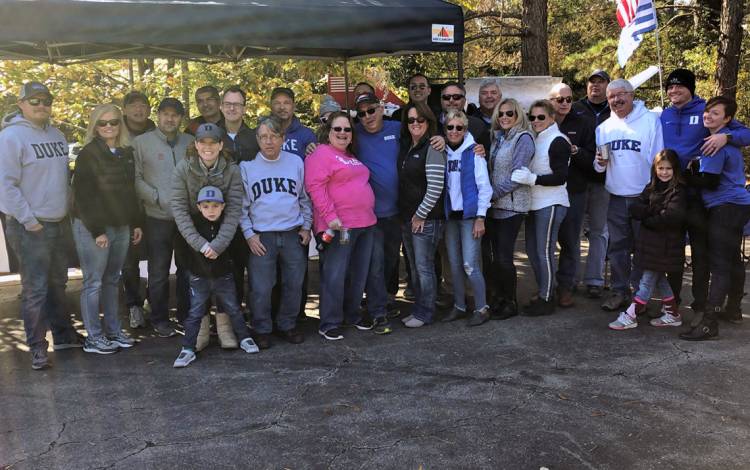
point(297, 138)
point(684, 132)
point(379, 152)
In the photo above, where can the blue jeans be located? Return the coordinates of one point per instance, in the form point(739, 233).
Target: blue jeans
point(162, 237)
point(650, 281)
point(542, 227)
point(569, 238)
point(44, 273)
point(343, 276)
point(464, 256)
point(420, 248)
point(597, 206)
point(623, 231)
point(386, 247)
point(101, 277)
point(222, 288)
point(285, 249)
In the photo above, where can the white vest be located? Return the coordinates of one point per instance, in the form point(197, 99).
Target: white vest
point(546, 196)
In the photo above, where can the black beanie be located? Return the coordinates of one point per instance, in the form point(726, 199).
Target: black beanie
point(682, 77)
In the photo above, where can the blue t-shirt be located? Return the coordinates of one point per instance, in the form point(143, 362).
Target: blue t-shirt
point(379, 153)
point(729, 164)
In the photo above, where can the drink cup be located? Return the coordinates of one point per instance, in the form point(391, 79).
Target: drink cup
point(604, 151)
point(344, 236)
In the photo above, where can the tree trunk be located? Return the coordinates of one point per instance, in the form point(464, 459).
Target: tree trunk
point(534, 56)
point(730, 43)
point(185, 82)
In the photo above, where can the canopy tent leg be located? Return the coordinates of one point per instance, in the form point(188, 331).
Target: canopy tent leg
point(460, 58)
point(346, 82)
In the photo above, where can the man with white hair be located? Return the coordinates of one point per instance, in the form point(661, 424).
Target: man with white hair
point(634, 136)
point(580, 133)
point(490, 95)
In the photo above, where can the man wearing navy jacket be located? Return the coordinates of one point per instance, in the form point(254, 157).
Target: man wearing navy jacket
point(683, 130)
point(298, 137)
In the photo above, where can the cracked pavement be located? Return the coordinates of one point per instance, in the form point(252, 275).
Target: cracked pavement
point(561, 392)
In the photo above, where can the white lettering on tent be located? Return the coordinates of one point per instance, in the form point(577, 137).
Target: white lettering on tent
point(444, 33)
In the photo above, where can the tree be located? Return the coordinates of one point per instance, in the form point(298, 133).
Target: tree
point(730, 43)
point(534, 55)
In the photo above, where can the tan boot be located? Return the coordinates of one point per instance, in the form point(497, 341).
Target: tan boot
point(203, 334)
point(227, 339)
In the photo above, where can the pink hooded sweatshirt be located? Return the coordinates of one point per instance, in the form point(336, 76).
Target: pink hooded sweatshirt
point(339, 187)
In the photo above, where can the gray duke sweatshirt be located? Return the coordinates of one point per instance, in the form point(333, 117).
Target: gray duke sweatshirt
point(33, 171)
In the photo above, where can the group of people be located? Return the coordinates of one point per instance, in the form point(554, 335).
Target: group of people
point(452, 186)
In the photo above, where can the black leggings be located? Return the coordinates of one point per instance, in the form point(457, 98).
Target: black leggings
point(504, 233)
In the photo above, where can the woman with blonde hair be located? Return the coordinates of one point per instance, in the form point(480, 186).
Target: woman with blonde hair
point(106, 219)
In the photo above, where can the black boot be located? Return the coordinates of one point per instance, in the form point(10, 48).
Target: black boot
point(539, 307)
point(508, 309)
point(704, 326)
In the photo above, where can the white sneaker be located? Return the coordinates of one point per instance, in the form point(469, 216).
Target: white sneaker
point(414, 323)
point(184, 359)
point(249, 346)
point(407, 318)
point(667, 319)
point(624, 322)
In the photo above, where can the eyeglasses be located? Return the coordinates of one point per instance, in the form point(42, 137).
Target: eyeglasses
point(450, 127)
point(111, 122)
point(454, 97)
point(412, 120)
point(369, 111)
point(341, 129)
point(38, 101)
point(563, 99)
point(506, 114)
point(418, 86)
point(541, 117)
point(227, 104)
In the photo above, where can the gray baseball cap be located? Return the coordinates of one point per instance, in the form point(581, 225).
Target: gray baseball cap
point(209, 130)
point(31, 89)
point(210, 194)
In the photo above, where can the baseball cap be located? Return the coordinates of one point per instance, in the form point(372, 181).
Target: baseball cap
point(133, 96)
point(210, 194)
point(365, 98)
point(209, 130)
point(173, 103)
point(31, 89)
point(329, 105)
point(599, 73)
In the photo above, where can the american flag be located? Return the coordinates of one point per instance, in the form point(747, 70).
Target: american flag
point(636, 17)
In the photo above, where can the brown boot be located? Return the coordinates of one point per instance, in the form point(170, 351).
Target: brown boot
point(564, 297)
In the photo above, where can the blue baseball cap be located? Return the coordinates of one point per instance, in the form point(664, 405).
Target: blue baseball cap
point(210, 194)
point(209, 130)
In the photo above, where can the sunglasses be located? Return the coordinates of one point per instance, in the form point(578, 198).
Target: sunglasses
point(324, 119)
point(111, 122)
point(366, 111)
point(533, 118)
point(563, 99)
point(38, 101)
point(341, 129)
point(454, 97)
point(506, 114)
point(450, 127)
point(412, 120)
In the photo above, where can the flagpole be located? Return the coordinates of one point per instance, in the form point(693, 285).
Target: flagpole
point(658, 57)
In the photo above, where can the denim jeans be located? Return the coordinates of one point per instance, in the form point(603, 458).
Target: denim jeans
point(725, 225)
point(652, 281)
point(569, 238)
point(284, 249)
point(201, 289)
point(44, 273)
point(162, 237)
point(464, 255)
point(542, 227)
point(597, 206)
point(385, 253)
point(343, 276)
point(623, 231)
point(101, 277)
point(421, 248)
point(504, 234)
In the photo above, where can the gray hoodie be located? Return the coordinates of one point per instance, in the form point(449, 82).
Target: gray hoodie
point(33, 171)
point(155, 161)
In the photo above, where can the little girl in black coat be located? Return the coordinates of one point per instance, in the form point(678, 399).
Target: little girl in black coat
point(660, 244)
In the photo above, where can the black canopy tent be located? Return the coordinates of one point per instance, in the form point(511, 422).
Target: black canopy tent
point(62, 31)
